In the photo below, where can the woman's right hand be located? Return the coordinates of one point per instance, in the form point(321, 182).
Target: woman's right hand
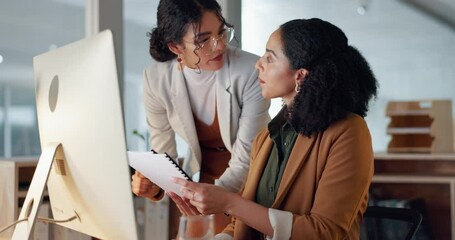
point(183, 204)
point(143, 187)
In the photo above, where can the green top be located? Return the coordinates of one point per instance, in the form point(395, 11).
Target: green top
point(283, 136)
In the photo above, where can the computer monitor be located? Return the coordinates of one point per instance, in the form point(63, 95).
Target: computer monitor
point(81, 126)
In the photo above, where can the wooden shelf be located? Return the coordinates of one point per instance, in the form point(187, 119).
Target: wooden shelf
point(409, 108)
point(400, 112)
point(15, 177)
point(420, 126)
point(409, 130)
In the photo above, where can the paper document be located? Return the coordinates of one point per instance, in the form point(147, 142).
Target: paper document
point(159, 168)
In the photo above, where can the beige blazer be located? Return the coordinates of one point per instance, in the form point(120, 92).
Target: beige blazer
point(325, 182)
point(241, 109)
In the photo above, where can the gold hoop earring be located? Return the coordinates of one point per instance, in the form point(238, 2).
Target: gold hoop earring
point(297, 88)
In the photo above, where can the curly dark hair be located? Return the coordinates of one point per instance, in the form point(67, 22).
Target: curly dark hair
point(173, 16)
point(339, 79)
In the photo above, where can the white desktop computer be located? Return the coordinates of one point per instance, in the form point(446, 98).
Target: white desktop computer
point(84, 157)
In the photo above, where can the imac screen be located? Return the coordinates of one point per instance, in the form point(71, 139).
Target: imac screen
point(79, 105)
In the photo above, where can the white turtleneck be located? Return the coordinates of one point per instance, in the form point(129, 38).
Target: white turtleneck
point(201, 90)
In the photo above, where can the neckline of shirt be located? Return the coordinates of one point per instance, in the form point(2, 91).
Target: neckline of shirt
point(196, 77)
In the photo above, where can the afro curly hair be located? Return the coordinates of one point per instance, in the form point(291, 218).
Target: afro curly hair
point(339, 79)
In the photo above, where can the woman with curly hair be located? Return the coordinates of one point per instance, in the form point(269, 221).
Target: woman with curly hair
point(310, 170)
point(204, 91)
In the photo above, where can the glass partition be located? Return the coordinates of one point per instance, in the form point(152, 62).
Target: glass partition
point(29, 28)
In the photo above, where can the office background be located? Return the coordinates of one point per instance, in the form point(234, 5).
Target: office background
point(410, 48)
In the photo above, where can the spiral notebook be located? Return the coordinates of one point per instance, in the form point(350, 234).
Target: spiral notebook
point(159, 168)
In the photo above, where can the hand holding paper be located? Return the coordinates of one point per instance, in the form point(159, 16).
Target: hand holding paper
point(159, 168)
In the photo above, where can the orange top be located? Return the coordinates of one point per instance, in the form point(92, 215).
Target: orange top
point(215, 156)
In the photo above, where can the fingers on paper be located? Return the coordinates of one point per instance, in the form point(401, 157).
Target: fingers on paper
point(183, 204)
point(182, 182)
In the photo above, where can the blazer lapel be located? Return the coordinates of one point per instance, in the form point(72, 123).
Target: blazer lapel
point(298, 156)
point(223, 102)
point(180, 101)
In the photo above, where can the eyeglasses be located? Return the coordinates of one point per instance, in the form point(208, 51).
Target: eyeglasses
point(208, 46)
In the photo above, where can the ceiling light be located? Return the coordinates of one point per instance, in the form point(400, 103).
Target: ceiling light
point(362, 6)
point(1, 58)
point(361, 10)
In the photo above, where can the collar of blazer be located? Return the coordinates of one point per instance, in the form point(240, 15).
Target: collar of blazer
point(296, 160)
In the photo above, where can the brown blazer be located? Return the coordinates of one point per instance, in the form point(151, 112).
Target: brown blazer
point(325, 183)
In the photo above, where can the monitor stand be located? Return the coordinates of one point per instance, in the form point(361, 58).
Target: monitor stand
point(27, 217)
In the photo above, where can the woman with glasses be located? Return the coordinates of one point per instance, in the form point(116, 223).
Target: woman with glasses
point(204, 91)
point(311, 168)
